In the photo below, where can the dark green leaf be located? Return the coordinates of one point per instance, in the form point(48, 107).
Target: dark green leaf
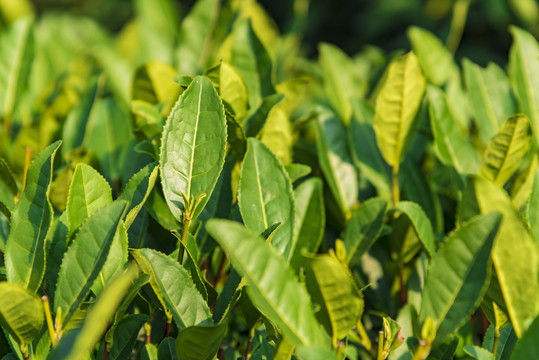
point(200, 342)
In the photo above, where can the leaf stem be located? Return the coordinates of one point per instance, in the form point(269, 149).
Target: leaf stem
point(185, 235)
point(48, 318)
point(380, 355)
point(249, 343)
point(496, 340)
point(458, 22)
point(366, 342)
point(395, 185)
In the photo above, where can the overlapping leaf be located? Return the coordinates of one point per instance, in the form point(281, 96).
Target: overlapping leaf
point(30, 223)
point(265, 196)
point(273, 288)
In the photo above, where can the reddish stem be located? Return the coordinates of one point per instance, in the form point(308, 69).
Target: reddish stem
point(167, 329)
point(220, 270)
point(402, 289)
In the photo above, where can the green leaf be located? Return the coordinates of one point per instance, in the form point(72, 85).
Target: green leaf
point(315, 353)
point(85, 258)
point(148, 120)
point(167, 350)
point(200, 342)
point(193, 146)
point(174, 287)
point(149, 352)
point(125, 336)
point(88, 192)
point(365, 153)
point(458, 275)
point(519, 283)
point(332, 288)
point(77, 119)
point(297, 171)
point(335, 161)
point(436, 61)
point(273, 287)
point(363, 228)
point(116, 259)
point(195, 36)
point(491, 97)
point(265, 196)
point(231, 87)
point(506, 342)
point(532, 210)
point(527, 347)
point(421, 224)
point(452, 146)
point(524, 74)
point(338, 78)
point(506, 150)
point(21, 312)
point(310, 220)
point(278, 134)
point(17, 49)
point(80, 343)
point(478, 353)
point(6, 177)
point(251, 59)
point(30, 223)
point(137, 190)
point(254, 123)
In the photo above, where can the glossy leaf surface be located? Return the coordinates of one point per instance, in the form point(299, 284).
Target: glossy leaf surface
point(273, 288)
point(265, 196)
point(396, 107)
point(458, 275)
point(506, 150)
point(30, 222)
point(85, 258)
point(193, 146)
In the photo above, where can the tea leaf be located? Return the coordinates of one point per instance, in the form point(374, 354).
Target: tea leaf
point(78, 344)
point(231, 87)
point(506, 150)
point(315, 353)
point(125, 336)
point(332, 287)
point(524, 74)
point(195, 36)
point(30, 223)
point(363, 228)
point(193, 146)
point(533, 207)
point(335, 161)
point(251, 59)
point(255, 122)
point(453, 289)
point(137, 190)
point(478, 353)
point(310, 220)
point(200, 342)
point(166, 350)
point(17, 49)
point(490, 95)
point(265, 196)
point(527, 347)
point(436, 61)
point(174, 287)
point(88, 192)
point(21, 312)
point(421, 224)
point(396, 107)
point(273, 287)
point(85, 258)
point(519, 285)
point(451, 146)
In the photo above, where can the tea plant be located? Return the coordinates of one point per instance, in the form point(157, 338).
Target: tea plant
point(205, 191)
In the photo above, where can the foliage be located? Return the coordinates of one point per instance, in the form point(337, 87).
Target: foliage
point(195, 187)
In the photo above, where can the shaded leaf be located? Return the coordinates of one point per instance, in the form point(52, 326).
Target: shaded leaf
point(478, 353)
point(254, 123)
point(265, 196)
point(125, 337)
point(200, 342)
point(231, 87)
point(527, 347)
point(363, 228)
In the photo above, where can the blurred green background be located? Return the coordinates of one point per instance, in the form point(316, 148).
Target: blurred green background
point(350, 24)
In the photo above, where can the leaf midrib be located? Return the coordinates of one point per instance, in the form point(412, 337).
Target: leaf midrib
point(193, 146)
